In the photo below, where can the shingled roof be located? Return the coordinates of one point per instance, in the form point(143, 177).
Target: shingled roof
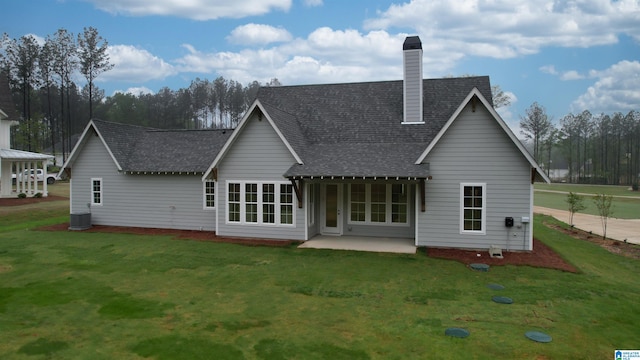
point(356, 130)
point(6, 102)
point(143, 149)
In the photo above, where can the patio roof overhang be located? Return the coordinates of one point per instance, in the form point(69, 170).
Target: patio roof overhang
point(19, 155)
point(358, 177)
point(419, 179)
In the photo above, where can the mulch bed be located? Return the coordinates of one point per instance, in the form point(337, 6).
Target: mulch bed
point(542, 256)
point(29, 200)
point(614, 246)
point(177, 234)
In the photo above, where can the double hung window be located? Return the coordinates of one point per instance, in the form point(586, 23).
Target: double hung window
point(266, 203)
point(209, 194)
point(472, 208)
point(379, 204)
point(96, 191)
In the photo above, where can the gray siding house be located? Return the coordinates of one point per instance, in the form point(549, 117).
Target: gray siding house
point(429, 160)
point(128, 175)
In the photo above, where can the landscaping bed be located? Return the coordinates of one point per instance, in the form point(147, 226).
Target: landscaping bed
point(613, 246)
point(29, 200)
point(541, 256)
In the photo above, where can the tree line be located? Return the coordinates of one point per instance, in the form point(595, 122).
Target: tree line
point(591, 148)
point(43, 81)
point(599, 149)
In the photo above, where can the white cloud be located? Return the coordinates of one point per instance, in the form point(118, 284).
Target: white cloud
point(135, 65)
point(564, 76)
point(193, 9)
point(258, 34)
point(312, 3)
point(135, 91)
point(549, 69)
point(325, 56)
point(615, 90)
point(511, 28)
point(571, 75)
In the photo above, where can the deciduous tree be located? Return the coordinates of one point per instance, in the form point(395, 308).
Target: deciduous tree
point(576, 203)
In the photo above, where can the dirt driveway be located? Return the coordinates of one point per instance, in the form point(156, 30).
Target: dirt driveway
point(619, 229)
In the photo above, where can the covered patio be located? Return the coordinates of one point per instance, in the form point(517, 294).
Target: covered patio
point(25, 165)
point(361, 243)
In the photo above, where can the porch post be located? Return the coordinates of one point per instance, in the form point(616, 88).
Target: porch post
point(423, 206)
point(29, 185)
point(35, 178)
point(297, 187)
point(20, 182)
point(7, 183)
point(44, 179)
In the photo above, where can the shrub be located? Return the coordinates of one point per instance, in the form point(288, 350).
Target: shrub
point(22, 196)
point(37, 195)
point(634, 186)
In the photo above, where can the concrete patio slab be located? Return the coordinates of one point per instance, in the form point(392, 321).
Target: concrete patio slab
point(372, 244)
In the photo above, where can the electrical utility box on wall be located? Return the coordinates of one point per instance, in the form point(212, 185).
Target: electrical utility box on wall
point(508, 222)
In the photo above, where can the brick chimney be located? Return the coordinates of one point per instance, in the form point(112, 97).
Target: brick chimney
point(412, 87)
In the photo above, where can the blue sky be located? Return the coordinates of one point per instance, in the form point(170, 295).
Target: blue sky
point(566, 55)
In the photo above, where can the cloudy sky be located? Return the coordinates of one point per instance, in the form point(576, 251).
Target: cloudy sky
point(567, 55)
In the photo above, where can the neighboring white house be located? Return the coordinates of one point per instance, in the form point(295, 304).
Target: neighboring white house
point(11, 159)
point(429, 160)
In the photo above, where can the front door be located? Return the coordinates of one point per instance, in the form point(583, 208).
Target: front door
point(331, 209)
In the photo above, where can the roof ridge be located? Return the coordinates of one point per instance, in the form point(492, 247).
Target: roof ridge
point(372, 82)
point(188, 130)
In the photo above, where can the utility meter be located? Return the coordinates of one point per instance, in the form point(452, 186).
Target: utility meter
point(508, 222)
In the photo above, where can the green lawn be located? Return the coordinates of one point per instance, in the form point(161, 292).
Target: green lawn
point(75, 295)
point(589, 189)
point(626, 204)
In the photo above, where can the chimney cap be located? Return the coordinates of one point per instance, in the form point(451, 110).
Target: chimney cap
point(412, 43)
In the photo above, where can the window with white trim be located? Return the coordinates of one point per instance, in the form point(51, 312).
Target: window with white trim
point(379, 204)
point(233, 202)
point(268, 203)
point(286, 204)
point(358, 195)
point(262, 203)
point(251, 202)
point(96, 191)
point(399, 203)
point(473, 208)
point(209, 194)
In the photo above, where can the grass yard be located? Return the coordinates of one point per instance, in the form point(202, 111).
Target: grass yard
point(626, 204)
point(74, 295)
point(589, 189)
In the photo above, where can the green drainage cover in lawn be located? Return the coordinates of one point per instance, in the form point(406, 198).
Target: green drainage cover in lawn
point(502, 300)
point(457, 332)
point(480, 267)
point(538, 336)
point(495, 287)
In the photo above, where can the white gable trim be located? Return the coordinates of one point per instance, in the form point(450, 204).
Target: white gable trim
point(80, 143)
point(475, 92)
point(238, 130)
